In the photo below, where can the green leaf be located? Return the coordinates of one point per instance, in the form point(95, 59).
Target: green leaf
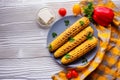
point(88, 11)
point(67, 22)
point(54, 34)
point(71, 39)
point(89, 36)
point(67, 56)
point(50, 47)
point(90, 4)
point(84, 60)
point(81, 23)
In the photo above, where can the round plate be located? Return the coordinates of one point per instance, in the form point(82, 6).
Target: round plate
point(59, 27)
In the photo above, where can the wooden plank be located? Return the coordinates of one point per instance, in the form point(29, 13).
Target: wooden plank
point(18, 14)
point(32, 68)
point(23, 39)
point(26, 2)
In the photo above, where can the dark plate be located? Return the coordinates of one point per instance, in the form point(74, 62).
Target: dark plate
point(59, 27)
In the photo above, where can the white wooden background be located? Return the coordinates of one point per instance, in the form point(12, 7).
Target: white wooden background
point(23, 52)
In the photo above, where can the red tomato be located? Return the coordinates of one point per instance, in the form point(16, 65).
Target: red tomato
point(74, 73)
point(69, 75)
point(62, 11)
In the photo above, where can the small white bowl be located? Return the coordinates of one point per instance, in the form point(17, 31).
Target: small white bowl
point(41, 23)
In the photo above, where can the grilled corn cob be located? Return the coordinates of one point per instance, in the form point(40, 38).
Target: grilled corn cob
point(78, 39)
point(71, 31)
point(79, 51)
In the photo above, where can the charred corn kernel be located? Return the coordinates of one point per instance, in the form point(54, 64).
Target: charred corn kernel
point(78, 39)
point(80, 50)
point(69, 32)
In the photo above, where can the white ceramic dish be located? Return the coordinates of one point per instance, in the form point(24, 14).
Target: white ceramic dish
point(41, 23)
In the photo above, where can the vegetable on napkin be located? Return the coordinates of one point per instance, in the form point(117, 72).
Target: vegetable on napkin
point(103, 15)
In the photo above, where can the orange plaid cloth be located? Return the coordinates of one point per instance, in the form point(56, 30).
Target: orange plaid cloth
point(106, 64)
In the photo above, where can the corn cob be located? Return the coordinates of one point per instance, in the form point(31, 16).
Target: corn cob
point(71, 31)
point(78, 39)
point(79, 51)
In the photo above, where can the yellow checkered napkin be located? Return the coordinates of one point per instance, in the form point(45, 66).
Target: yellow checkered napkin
point(106, 64)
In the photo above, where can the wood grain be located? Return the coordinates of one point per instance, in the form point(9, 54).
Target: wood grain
point(23, 49)
point(33, 68)
point(20, 35)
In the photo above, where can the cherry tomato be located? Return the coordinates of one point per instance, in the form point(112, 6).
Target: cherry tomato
point(74, 73)
point(69, 75)
point(62, 11)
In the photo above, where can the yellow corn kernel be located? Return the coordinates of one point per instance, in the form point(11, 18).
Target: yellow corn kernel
point(79, 51)
point(78, 39)
point(69, 32)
